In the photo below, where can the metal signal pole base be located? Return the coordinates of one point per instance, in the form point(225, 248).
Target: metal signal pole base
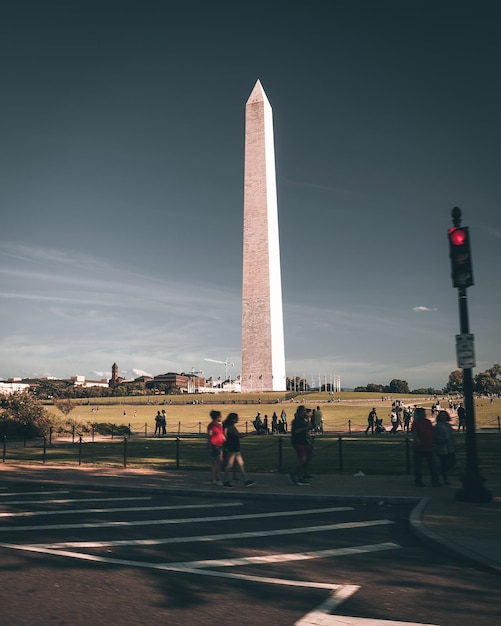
point(473, 490)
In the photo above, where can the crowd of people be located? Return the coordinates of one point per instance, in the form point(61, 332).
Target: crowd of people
point(432, 444)
point(223, 440)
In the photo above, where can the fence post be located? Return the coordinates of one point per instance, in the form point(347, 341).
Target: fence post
point(199, 428)
point(125, 452)
point(50, 435)
point(179, 428)
point(73, 434)
point(80, 450)
point(407, 455)
point(349, 427)
point(499, 425)
point(145, 430)
point(129, 431)
point(340, 449)
point(93, 434)
point(177, 453)
point(113, 431)
point(280, 451)
point(44, 449)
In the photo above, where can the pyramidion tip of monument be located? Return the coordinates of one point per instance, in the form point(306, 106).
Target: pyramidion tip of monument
point(257, 94)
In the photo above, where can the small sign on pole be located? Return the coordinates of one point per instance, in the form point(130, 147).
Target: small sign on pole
point(465, 351)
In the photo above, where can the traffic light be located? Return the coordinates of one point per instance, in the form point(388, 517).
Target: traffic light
point(459, 251)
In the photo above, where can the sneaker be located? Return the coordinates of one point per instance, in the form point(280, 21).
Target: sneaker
point(292, 478)
point(219, 483)
point(227, 485)
point(302, 482)
point(249, 483)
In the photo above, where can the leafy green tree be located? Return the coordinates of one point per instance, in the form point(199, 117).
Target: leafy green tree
point(48, 389)
point(455, 383)
point(399, 386)
point(375, 388)
point(64, 405)
point(23, 415)
point(488, 382)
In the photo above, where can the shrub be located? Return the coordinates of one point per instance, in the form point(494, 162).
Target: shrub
point(23, 417)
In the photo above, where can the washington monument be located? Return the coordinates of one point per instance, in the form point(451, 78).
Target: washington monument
point(263, 354)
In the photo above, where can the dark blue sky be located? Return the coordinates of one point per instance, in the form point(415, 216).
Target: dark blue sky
point(121, 176)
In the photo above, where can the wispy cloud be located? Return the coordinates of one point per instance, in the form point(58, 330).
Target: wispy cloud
point(68, 313)
point(420, 309)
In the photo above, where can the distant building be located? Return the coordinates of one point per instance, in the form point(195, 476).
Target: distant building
point(12, 386)
point(115, 379)
point(186, 383)
point(143, 379)
point(80, 381)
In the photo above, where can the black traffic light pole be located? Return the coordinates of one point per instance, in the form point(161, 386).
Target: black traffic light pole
point(473, 489)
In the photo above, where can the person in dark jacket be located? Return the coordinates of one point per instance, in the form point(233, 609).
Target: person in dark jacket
point(422, 431)
point(302, 443)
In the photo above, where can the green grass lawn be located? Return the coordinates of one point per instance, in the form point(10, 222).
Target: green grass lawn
point(183, 417)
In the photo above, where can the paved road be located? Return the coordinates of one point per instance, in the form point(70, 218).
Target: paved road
point(90, 557)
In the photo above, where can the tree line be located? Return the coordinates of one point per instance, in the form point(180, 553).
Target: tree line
point(486, 383)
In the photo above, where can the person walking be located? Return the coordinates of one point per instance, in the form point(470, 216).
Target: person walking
point(318, 420)
point(422, 431)
point(283, 417)
point(232, 445)
point(274, 423)
point(163, 422)
point(215, 442)
point(158, 424)
point(302, 444)
point(445, 447)
point(371, 421)
point(394, 421)
point(461, 418)
point(407, 418)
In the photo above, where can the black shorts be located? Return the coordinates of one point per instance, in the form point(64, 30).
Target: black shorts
point(215, 451)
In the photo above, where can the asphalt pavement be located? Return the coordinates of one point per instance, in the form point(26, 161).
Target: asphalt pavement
point(465, 530)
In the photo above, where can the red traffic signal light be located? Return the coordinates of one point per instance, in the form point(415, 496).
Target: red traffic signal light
point(459, 252)
point(457, 236)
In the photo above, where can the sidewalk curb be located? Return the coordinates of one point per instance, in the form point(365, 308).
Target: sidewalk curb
point(451, 548)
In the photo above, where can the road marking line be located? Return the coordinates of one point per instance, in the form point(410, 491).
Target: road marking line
point(200, 538)
point(321, 619)
point(32, 493)
point(170, 567)
point(284, 558)
point(71, 500)
point(186, 520)
point(119, 509)
point(322, 614)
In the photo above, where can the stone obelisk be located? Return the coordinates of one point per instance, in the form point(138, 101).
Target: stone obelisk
point(263, 354)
